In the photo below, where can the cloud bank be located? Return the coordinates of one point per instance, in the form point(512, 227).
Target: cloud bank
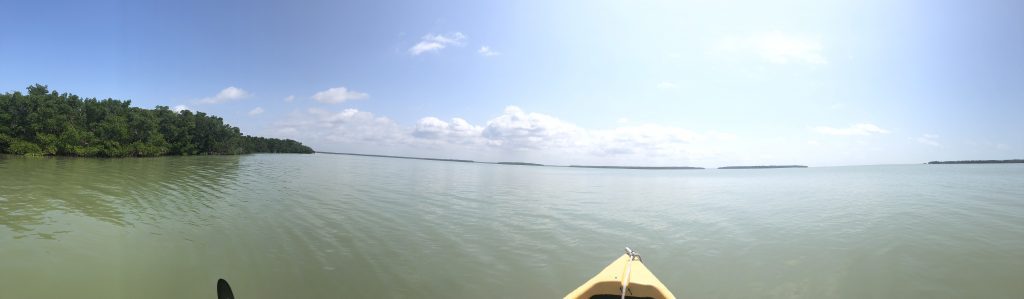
point(338, 95)
point(513, 131)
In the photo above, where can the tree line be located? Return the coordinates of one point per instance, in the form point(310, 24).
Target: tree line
point(45, 122)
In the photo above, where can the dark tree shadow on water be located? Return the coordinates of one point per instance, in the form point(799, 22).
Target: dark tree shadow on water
point(35, 191)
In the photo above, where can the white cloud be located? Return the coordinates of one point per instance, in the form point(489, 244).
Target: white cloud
point(929, 139)
point(425, 47)
point(256, 111)
point(515, 130)
point(437, 42)
point(458, 131)
point(857, 129)
point(648, 140)
point(338, 94)
point(487, 51)
point(346, 126)
point(289, 99)
point(226, 95)
point(180, 108)
point(775, 47)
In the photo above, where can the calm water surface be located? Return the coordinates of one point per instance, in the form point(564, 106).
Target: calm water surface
point(326, 226)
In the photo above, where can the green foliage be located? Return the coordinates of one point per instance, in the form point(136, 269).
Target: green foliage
point(48, 143)
point(45, 122)
point(22, 147)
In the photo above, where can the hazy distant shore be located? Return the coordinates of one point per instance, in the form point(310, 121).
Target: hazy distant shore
point(978, 161)
point(513, 163)
point(520, 163)
point(763, 167)
point(636, 167)
point(398, 157)
point(651, 167)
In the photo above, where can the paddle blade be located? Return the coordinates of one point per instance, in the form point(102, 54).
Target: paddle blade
point(224, 290)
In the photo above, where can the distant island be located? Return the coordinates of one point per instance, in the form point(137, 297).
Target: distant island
point(763, 167)
point(398, 157)
point(573, 166)
point(519, 163)
point(637, 167)
point(48, 123)
point(978, 161)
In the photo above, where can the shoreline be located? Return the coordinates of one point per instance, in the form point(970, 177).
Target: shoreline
point(398, 157)
point(637, 167)
point(978, 162)
point(763, 167)
point(658, 167)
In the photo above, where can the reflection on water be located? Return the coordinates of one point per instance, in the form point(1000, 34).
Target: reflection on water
point(328, 226)
point(122, 192)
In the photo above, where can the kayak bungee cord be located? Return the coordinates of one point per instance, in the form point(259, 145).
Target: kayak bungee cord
point(629, 268)
point(625, 278)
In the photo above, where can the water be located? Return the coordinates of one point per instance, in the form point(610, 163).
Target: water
point(328, 226)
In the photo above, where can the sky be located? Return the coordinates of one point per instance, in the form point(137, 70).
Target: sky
point(623, 82)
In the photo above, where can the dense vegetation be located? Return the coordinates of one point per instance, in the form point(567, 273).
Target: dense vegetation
point(45, 122)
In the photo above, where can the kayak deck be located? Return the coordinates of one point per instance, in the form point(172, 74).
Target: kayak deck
point(626, 270)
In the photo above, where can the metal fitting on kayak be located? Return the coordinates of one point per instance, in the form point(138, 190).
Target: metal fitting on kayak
point(633, 255)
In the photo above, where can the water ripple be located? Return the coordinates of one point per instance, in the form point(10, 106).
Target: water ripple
point(329, 226)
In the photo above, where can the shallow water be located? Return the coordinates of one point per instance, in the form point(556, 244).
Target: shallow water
point(313, 226)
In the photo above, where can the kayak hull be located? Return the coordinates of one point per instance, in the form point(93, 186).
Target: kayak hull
point(608, 283)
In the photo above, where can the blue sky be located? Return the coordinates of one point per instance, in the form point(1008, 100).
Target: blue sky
point(649, 82)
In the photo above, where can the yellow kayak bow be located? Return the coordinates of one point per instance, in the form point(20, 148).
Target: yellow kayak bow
point(626, 277)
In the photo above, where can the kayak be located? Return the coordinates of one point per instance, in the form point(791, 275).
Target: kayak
point(626, 277)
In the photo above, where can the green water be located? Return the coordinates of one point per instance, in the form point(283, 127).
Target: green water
point(327, 226)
